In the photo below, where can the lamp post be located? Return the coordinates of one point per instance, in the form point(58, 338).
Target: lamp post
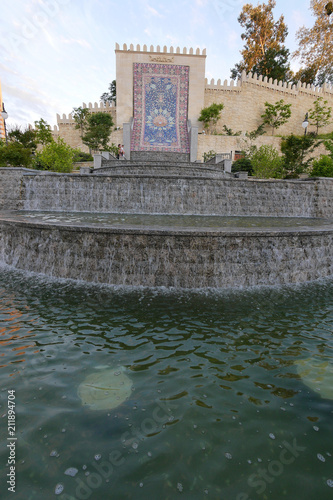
point(305, 123)
point(4, 115)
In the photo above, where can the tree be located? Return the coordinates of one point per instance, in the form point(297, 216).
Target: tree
point(210, 115)
point(56, 156)
point(322, 167)
point(321, 114)
point(329, 145)
point(274, 64)
point(14, 154)
point(276, 114)
point(27, 137)
point(19, 149)
point(111, 95)
point(295, 149)
point(80, 116)
point(266, 163)
point(315, 45)
point(304, 75)
point(98, 130)
point(264, 51)
point(43, 132)
point(210, 154)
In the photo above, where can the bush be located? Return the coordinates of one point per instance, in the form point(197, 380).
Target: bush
point(15, 154)
point(266, 163)
point(56, 156)
point(209, 155)
point(295, 149)
point(323, 167)
point(243, 164)
point(80, 156)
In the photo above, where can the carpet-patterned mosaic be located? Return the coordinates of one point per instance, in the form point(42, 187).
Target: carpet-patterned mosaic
point(160, 108)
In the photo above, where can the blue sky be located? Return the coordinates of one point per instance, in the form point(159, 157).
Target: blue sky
point(56, 54)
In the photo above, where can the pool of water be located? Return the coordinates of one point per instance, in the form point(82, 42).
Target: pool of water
point(216, 410)
point(170, 221)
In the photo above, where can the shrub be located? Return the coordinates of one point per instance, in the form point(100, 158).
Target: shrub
point(243, 164)
point(80, 156)
point(295, 149)
point(323, 167)
point(15, 154)
point(266, 163)
point(210, 154)
point(210, 115)
point(56, 156)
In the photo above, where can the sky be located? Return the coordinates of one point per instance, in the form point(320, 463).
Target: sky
point(57, 54)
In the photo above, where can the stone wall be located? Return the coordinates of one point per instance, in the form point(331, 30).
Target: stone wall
point(182, 195)
point(244, 102)
point(11, 187)
point(65, 127)
point(168, 258)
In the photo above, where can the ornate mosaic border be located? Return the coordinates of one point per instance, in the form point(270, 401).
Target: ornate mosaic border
point(160, 108)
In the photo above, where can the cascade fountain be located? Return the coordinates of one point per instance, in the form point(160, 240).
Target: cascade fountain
point(224, 232)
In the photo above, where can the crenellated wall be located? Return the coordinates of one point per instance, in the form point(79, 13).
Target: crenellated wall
point(65, 127)
point(127, 56)
point(244, 102)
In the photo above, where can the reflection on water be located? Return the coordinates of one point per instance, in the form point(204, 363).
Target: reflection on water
point(216, 410)
point(171, 221)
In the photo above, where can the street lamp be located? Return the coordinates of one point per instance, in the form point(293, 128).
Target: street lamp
point(4, 115)
point(305, 123)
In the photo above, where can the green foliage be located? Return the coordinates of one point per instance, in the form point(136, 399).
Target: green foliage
point(266, 163)
point(229, 131)
point(56, 156)
point(15, 154)
point(315, 45)
point(210, 154)
point(210, 115)
point(110, 96)
point(80, 116)
point(295, 149)
point(242, 165)
point(276, 114)
point(320, 115)
point(323, 167)
point(256, 133)
point(274, 64)
point(26, 138)
point(113, 149)
point(97, 131)
point(80, 156)
point(329, 146)
point(43, 132)
point(264, 51)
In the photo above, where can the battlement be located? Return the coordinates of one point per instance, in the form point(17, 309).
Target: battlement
point(158, 50)
point(108, 107)
point(275, 85)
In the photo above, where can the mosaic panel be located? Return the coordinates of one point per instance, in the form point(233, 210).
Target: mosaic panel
point(160, 108)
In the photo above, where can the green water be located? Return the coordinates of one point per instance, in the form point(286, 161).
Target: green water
point(216, 409)
point(170, 221)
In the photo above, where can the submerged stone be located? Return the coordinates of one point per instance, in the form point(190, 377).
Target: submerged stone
point(105, 389)
point(318, 375)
